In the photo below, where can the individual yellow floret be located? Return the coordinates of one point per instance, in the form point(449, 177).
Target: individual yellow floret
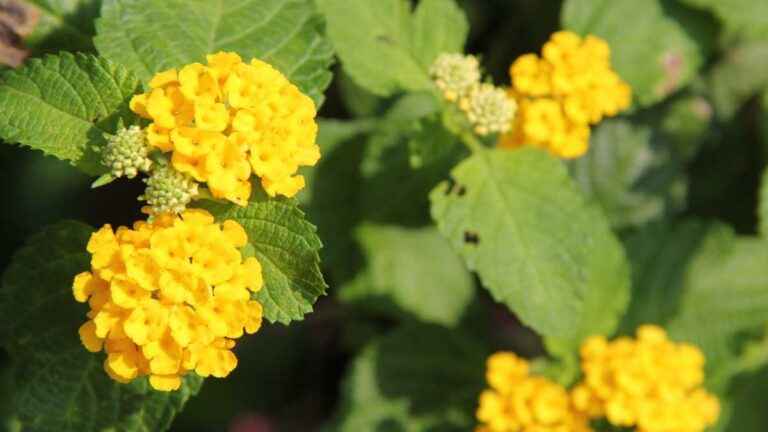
point(224, 121)
point(650, 383)
point(561, 93)
point(519, 402)
point(168, 297)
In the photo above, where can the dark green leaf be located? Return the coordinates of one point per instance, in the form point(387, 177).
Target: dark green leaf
point(64, 104)
point(149, 36)
point(415, 379)
point(630, 173)
point(58, 385)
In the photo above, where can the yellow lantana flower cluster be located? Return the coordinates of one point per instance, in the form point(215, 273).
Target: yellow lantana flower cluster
point(227, 120)
point(560, 94)
point(650, 383)
point(168, 297)
point(520, 402)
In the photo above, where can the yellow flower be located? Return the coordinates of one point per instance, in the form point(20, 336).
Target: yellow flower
point(560, 94)
point(176, 295)
point(519, 402)
point(650, 383)
point(227, 120)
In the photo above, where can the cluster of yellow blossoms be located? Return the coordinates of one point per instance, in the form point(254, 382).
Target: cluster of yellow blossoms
point(520, 402)
point(168, 297)
point(487, 107)
point(649, 383)
point(560, 94)
point(228, 119)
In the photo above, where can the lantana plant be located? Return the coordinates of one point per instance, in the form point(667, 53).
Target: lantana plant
point(386, 215)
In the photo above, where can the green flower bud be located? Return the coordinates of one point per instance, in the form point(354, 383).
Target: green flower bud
point(168, 190)
point(455, 74)
point(489, 109)
point(126, 152)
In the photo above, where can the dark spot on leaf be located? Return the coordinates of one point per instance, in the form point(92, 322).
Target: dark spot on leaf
point(449, 187)
point(385, 39)
point(471, 237)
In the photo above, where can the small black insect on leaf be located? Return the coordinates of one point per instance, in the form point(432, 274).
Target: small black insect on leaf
point(471, 237)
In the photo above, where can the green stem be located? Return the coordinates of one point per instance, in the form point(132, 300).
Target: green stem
point(470, 140)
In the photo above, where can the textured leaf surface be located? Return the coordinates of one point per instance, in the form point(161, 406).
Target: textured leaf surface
point(741, 18)
point(149, 36)
point(64, 25)
point(630, 173)
point(63, 104)
point(385, 48)
point(411, 272)
point(417, 378)
point(519, 221)
point(706, 285)
point(287, 247)
point(656, 45)
point(58, 384)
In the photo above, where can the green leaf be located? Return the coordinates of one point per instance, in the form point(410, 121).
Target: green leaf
point(439, 26)
point(656, 45)
point(411, 273)
point(708, 286)
point(63, 105)
point(58, 384)
point(725, 293)
point(659, 254)
point(519, 221)
point(417, 378)
point(742, 19)
point(64, 25)
point(385, 48)
point(744, 409)
point(334, 204)
point(388, 174)
point(741, 74)
point(287, 248)
point(331, 135)
point(150, 36)
point(762, 211)
point(630, 173)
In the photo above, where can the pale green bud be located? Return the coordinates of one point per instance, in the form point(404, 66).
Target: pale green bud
point(168, 190)
point(126, 153)
point(455, 74)
point(489, 109)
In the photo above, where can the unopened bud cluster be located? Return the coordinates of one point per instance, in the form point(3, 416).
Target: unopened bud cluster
point(168, 190)
point(489, 109)
point(455, 74)
point(486, 106)
point(126, 153)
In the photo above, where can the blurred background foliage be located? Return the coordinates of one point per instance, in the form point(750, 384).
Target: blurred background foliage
point(696, 149)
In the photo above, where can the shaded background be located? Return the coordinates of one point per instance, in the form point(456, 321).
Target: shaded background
point(288, 377)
